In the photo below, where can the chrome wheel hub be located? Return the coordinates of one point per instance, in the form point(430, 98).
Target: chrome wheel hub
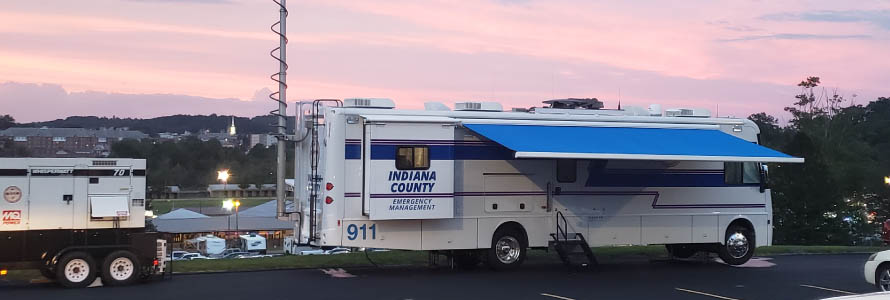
point(77, 270)
point(884, 280)
point(737, 245)
point(121, 268)
point(507, 249)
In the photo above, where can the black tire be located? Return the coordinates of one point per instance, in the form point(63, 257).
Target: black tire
point(882, 273)
point(731, 250)
point(681, 250)
point(120, 268)
point(508, 259)
point(76, 270)
point(466, 259)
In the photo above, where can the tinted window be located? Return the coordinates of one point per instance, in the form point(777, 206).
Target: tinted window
point(413, 158)
point(741, 173)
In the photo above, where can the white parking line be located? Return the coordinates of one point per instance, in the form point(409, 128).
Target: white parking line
point(827, 289)
point(705, 294)
point(557, 297)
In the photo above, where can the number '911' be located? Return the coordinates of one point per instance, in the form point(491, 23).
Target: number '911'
point(352, 231)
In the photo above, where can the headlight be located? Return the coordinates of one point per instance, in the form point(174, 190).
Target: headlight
point(872, 257)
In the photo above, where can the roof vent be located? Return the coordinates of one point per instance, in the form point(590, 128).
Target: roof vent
point(435, 106)
point(478, 106)
point(369, 102)
point(575, 103)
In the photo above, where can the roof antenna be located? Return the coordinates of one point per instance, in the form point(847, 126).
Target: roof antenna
point(619, 98)
point(279, 96)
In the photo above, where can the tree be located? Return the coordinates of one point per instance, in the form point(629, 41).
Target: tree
point(6, 121)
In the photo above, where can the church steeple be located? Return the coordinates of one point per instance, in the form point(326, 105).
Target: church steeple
point(232, 127)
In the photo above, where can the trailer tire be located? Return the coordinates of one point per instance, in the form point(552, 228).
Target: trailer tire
point(738, 245)
point(76, 270)
point(120, 268)
point(508, 247)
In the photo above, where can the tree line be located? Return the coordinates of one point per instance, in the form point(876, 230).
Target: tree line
point(838, 196)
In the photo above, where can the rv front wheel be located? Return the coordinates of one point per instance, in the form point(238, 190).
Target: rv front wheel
point(120, 268)
point(738, 247)
point(507, 251)
point(76, 270)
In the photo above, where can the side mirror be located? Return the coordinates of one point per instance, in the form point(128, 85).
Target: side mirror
point(764, 178)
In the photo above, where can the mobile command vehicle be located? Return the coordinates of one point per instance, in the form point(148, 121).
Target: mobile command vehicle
point(77, 218)
point(481, 183)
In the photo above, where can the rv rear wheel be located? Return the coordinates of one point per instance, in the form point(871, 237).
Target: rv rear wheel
point(76, 270)
point(738, 246)
point(508, 247)
point(120, 268)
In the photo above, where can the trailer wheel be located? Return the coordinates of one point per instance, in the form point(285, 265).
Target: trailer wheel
point(508, 247)
point(467, 259)
point(76, 270)
point(739, 245)
point(120, 268)
point(680, 250)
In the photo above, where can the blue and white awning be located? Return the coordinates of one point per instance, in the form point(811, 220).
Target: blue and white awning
point(577, 142)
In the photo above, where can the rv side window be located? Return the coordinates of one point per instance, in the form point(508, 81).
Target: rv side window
point(566, 170)
point(413, 158)
point(741, 173)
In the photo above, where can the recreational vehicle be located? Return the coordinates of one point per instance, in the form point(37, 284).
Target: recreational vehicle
point(485, 184)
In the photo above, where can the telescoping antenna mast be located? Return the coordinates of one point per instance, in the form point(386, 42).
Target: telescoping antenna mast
point(280, 97)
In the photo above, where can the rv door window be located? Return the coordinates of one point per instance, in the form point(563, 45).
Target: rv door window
point(741, 173)
point(566, 170)
point(413, 158)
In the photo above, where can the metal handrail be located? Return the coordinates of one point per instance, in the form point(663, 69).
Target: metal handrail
point(561, 229)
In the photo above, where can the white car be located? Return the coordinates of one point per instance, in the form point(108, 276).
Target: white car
point(193, 256)
point(877, 270)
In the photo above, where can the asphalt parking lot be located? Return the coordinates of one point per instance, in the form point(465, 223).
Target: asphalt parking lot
point(780, 277)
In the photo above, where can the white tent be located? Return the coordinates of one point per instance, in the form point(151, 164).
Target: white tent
point(181, 213)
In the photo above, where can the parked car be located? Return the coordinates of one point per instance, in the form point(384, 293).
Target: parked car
point(312, 252)
point(177, 255)
point(236, 255)
point(877, 270)
point(338, 250)
point(193, 256)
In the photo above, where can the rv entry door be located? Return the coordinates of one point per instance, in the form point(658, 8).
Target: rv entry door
point(408, 169)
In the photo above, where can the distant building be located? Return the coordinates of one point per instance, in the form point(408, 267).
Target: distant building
point(68, 142)
point(227, 141)
point(234, 190)
point(266, 140)
point(232, 130)
point(183, 224)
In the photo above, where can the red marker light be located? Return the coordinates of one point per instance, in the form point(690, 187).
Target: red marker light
point(328, 200)
point(155, 263)
point(329, 186)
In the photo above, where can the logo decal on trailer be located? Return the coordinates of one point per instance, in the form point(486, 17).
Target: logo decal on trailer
point(12, 217)
point(12, 194)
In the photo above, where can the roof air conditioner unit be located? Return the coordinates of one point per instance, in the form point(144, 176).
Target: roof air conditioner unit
point(369, 102)
point(687, 112)
point(478, 106)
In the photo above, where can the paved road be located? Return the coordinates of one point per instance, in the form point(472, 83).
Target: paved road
point(791, 277)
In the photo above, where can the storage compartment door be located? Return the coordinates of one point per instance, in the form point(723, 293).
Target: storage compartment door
point(51, 198)
point(409, 170)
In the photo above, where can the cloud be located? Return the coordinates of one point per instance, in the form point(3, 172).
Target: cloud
point(184, 1)
point(879, 18)
point(29, 102)
point(799, 36)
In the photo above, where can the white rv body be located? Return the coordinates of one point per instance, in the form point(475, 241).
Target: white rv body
point(253, 243)
point(473, 185)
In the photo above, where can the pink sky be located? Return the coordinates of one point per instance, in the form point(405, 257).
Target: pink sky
point(145, 58)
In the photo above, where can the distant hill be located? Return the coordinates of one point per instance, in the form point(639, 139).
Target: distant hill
point(175, 123)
